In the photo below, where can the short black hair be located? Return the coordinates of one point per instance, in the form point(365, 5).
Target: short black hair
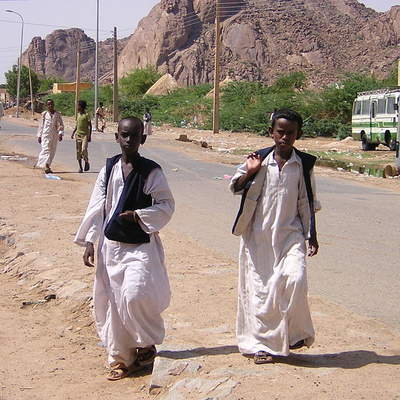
point(288, 114)
point(51, 100)
point(82, 104)
point(136, 122)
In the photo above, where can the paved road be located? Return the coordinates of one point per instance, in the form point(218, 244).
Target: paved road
point(358, 264)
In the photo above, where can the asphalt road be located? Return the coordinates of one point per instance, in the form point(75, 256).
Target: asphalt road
point(358, 263)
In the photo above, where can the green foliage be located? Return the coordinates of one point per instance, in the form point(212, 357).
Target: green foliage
point(337, 100)
point(12, 81)
point(65, 102)
point(46, 83)
point(295, 80)
point(138, 82)
point(182, 107)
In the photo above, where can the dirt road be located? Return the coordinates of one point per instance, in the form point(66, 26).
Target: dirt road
point(50, 350)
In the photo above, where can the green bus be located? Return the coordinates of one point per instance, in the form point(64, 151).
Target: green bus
point(374, 118)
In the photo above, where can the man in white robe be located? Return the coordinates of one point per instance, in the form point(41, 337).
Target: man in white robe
point(273, 313)
point(1, 112)
point(50, 132)
point(131, 287)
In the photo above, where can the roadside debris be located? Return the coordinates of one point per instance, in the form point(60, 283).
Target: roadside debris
point(46, 299)
point(52, 177)
point(13, 158)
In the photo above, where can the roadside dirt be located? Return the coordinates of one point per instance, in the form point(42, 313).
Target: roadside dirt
point(50, 350)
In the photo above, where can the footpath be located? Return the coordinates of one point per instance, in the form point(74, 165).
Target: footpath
point(50, 349)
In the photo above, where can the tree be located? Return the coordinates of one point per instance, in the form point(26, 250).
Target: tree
point(46, 83)
point(12, 81)
point(138, 82)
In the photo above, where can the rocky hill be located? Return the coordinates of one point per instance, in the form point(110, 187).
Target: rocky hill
point(261, 39)
point(55, 55)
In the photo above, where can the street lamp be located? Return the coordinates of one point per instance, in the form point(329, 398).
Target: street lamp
point(20, 58)
point(96, 69)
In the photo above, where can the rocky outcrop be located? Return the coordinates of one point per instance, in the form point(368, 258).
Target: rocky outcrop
point(261, 40)
point(55, 55)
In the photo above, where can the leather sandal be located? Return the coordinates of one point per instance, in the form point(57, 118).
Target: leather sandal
point(262, 357)
point(146, 355)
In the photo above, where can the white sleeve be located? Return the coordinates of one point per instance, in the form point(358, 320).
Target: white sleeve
point(317, 203)
point(155, 217)
point(92, 223)
point(40, 128)
point(242, 169)
point(60, 125)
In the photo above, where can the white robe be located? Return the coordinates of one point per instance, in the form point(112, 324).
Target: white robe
point(273, 310)
point(131, 287)
point(50, 127)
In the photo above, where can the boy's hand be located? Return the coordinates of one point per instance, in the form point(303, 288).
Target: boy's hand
point(253, 163)
point(313, 247)
point(129, 215)
point(88, 255)
point(72, 136)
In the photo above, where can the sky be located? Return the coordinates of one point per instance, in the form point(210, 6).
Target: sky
point(44, 16)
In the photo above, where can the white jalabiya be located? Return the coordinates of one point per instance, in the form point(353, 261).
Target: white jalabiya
point(273, 310)
point(50, 127)
point(148, 130)
point(131, 287)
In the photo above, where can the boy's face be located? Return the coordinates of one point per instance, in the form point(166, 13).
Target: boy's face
point(285, 133)
point(129, 138)
point(50, 106)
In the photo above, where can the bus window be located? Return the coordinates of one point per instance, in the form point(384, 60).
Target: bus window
point(381, 106)
point(373, 109)
point(365, 107)
point(390, 105)
point(357, 108)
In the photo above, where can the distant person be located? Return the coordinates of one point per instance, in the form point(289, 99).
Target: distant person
point(131, 202)
point(50, 132)
point(101, 118)
point(147, 117)
point(83, 135)
point(276, 217)
point(1, 112)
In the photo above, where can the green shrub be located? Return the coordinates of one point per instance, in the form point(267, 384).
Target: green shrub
point(138, 82)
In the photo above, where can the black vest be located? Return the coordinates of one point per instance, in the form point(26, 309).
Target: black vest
point(132, 198)
point(308, 162)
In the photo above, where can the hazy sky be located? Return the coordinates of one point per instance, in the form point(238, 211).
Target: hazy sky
point(43, 16)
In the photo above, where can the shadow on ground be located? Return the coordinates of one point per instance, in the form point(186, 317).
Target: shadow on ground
point(346, 360)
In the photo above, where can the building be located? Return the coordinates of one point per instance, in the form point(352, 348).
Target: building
point(70, 87)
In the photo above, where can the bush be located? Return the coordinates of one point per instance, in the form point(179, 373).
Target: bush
point(138, 82)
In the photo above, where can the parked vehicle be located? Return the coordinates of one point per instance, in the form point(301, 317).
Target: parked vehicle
point(374, 119)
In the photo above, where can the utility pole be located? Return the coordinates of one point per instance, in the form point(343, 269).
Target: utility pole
point(19, 59)
point(398, 124)
point(115, 80)
point(77, 78)
point(30, 86)
point(96, 70)
point(217, 68)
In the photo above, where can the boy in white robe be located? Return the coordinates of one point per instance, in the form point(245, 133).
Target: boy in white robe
point(273, 313)
point(50, 132)
point(130, 203)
